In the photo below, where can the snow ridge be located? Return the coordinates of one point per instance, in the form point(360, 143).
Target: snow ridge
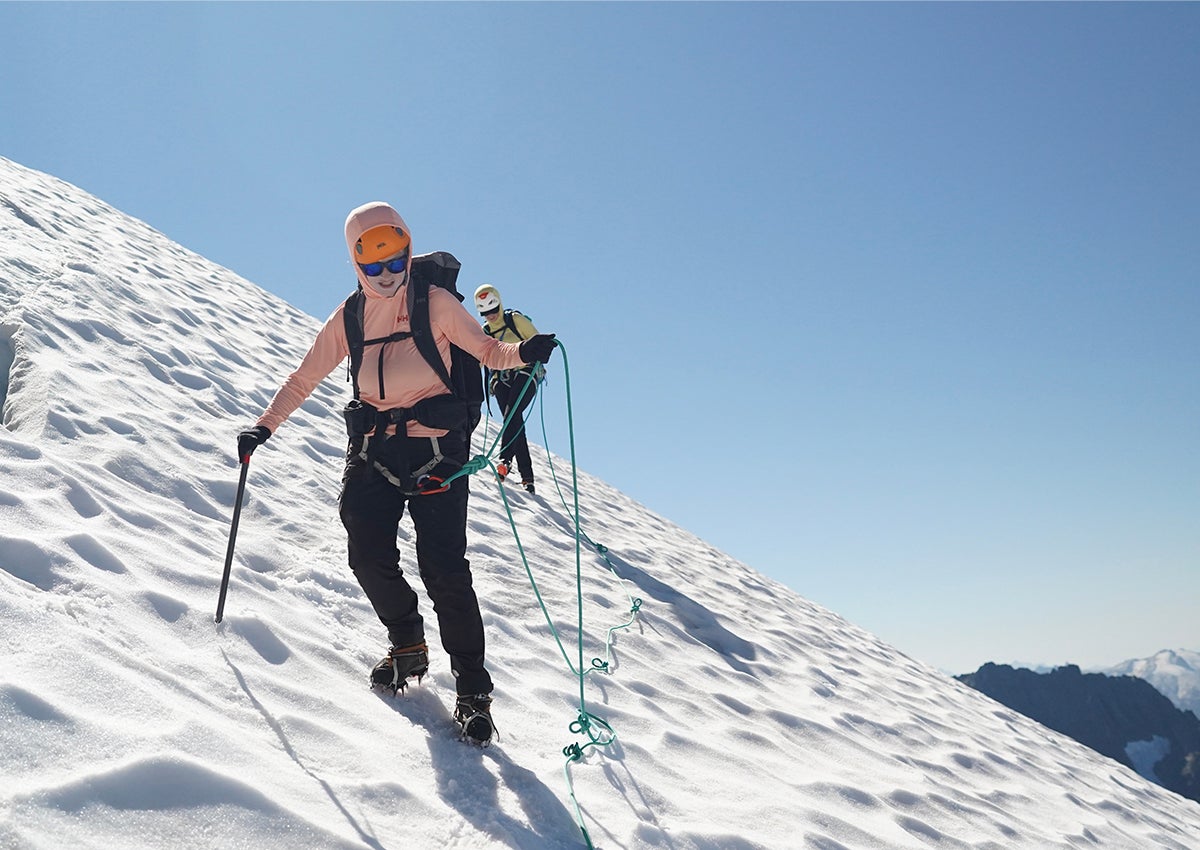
point(748, 717)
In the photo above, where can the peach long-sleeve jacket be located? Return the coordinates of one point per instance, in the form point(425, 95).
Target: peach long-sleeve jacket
point(407, 378)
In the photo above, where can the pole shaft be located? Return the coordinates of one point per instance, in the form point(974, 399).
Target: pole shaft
point(237, 513)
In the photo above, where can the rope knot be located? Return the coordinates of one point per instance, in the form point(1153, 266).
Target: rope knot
point(598, 664)
point(582, 724)
point(476, 464)
point(573, 752)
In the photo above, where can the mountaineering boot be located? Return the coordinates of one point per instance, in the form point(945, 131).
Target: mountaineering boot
point(473, 714)
point(528, 485)
point(502, 469)
point(402, 662)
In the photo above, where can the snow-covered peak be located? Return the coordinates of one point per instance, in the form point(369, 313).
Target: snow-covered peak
point(747, 717)
point(1175, 672)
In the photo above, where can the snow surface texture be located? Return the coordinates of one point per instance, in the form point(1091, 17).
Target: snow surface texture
point(747, 716)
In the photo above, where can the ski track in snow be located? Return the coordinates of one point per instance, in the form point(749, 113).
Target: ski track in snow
point(747, 717)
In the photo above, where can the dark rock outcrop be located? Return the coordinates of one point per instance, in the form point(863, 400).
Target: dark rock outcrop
point(1108, 714)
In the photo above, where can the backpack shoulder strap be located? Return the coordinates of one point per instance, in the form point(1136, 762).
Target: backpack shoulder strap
point(422, 332)
point(512, 323)
point(352, 319)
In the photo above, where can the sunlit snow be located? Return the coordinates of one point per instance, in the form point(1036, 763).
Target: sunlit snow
point(747, 717)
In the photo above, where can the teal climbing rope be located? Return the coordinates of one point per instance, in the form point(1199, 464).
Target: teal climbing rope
point(635, 604)
point(599, 733)
point(483, 461)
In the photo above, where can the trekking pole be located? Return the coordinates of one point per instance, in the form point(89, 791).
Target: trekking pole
point(237, 512)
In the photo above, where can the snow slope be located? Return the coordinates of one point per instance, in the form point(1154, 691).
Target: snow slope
point(1175, 673)
point(747, 716)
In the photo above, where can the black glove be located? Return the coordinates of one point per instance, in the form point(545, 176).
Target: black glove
point(251, 439)
point(538, 348)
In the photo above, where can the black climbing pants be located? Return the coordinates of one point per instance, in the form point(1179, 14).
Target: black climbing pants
point(371, 508)
point(513, 444)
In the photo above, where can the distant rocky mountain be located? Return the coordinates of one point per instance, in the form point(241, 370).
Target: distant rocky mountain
point(1123, 717)
point(1175, 673)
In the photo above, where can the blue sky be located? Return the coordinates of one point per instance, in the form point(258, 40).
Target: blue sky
point(895, 302)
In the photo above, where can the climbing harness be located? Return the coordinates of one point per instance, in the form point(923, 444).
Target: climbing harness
point(366, 423)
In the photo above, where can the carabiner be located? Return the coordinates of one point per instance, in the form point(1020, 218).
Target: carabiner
point(430, 484)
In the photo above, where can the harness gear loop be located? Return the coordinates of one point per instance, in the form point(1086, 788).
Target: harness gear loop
point(419, 482)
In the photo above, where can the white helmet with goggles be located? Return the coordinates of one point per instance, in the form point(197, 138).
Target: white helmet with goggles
point(487, 299)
